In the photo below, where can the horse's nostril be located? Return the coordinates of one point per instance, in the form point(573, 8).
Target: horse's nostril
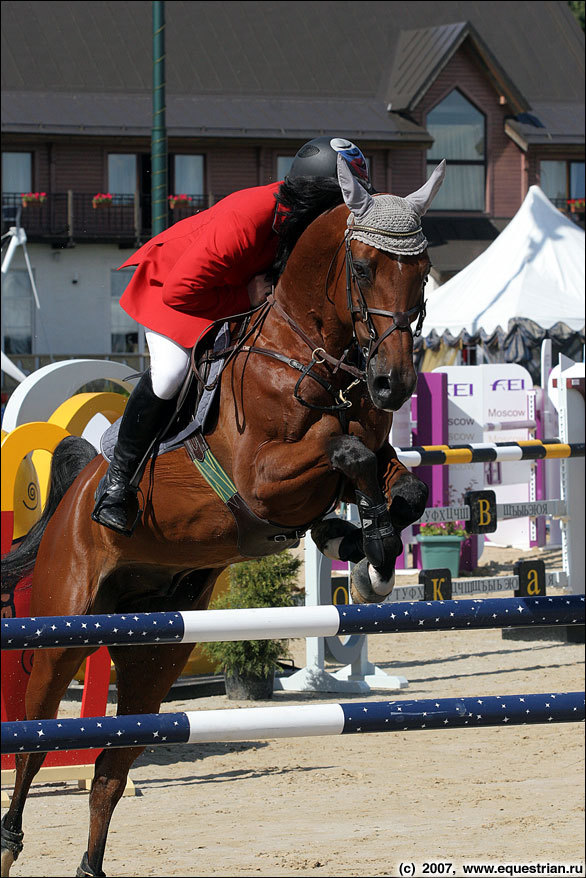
point(390, 391)
point(382, 383)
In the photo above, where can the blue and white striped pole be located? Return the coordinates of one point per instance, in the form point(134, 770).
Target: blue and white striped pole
point(206, 626)
point(250, 724)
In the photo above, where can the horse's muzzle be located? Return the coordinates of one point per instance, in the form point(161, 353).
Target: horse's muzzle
point(390, 391)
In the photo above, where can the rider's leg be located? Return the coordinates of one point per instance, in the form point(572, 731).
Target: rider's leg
point(147, 411)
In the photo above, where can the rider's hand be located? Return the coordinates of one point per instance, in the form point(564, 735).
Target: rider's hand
point(258, 289)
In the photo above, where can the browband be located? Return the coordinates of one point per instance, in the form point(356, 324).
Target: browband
point(375, 231)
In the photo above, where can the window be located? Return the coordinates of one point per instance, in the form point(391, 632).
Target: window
point(122, 179)
point(458, 129)
point(17, 312)
point(576, 179)
point(284, 163)
point(561, 180)
point(188, 176)
point(17, 172)
point(123, 329)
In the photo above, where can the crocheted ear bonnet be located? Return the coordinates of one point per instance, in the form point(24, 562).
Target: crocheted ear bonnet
point(388, 222)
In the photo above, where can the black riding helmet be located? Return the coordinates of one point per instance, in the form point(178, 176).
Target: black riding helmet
point(318, 158)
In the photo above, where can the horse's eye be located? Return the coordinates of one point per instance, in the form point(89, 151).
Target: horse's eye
point(363, 272)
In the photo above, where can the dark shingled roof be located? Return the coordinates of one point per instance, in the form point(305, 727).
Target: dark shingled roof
point(560, 122)
point(421, 54)
point(277, 69)
point(195, 116)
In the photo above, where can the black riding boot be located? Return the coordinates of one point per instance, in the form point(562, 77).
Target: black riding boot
point(145, 416)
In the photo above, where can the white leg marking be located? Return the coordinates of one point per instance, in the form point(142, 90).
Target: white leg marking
point(380, 586)
point(332, 549)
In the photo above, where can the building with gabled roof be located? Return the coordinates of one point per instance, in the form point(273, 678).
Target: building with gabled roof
point(497, 91)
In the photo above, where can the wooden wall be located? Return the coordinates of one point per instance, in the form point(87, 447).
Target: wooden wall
point(505, 183)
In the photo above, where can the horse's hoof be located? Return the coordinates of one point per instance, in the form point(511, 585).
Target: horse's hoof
point(338, 539)
point(8, 859)
point(11, 847)
point(84, 870)
point(366, 586)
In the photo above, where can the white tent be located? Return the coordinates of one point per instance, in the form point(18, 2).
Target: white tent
point(534, 270)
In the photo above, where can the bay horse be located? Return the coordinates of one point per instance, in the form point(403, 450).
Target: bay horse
point(303, 423)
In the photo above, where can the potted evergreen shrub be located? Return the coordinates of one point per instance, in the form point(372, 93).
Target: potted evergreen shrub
point(249, 665)
point(441, 543)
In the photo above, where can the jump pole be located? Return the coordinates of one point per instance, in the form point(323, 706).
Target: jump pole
point(204, 626)
point(250, 724)
point(489, 452)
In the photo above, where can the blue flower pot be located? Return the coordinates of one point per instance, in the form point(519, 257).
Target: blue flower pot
point(439, 551)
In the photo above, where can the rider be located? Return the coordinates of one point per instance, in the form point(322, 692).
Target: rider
point(210, 266)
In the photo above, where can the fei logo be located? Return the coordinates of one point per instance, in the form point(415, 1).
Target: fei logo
point(508, 384)
point(460, 389)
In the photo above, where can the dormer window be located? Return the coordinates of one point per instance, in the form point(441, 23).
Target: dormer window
point(459, 133)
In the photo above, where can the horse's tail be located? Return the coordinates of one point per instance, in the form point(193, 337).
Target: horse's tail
point(69, 459)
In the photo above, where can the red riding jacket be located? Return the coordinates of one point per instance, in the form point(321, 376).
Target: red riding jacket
point(198, 270)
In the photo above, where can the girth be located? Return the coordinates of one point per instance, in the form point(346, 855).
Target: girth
point(257, 537)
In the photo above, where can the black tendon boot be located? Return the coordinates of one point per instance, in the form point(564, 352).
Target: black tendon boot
point(145, 416)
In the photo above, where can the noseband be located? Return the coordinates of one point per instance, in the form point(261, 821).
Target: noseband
point(400, 319)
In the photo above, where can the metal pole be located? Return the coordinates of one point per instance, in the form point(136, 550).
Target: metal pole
point(159, 131)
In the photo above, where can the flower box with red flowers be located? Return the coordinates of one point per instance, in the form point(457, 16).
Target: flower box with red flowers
point(33, 199)
point(576, 205)
point(179, 201)
point(102, 199)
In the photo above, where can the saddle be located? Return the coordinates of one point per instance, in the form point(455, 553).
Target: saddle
point(195, 417)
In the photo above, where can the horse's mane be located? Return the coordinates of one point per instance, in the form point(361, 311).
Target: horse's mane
point(299, 203)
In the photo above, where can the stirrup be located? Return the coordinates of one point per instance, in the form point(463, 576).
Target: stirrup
point(100, 496)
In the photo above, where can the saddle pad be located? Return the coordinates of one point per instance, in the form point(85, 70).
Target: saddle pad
point(171, 442)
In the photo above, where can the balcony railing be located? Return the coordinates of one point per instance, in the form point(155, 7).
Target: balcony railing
point(66, 217)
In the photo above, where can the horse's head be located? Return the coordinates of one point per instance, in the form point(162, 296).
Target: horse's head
point(386, 269)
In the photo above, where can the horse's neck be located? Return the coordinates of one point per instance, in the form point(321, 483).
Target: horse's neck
point(310, 285)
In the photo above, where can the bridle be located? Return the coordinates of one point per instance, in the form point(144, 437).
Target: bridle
point(359, 312)
point(400, 319)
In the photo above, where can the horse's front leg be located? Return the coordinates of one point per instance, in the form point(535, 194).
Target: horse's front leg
point(389, 498)
point(373, 576)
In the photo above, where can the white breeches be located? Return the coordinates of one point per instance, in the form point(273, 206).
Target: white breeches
point(169, 364)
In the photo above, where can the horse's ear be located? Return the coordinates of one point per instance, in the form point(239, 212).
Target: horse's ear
point(357, 199)
point(421, 200)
